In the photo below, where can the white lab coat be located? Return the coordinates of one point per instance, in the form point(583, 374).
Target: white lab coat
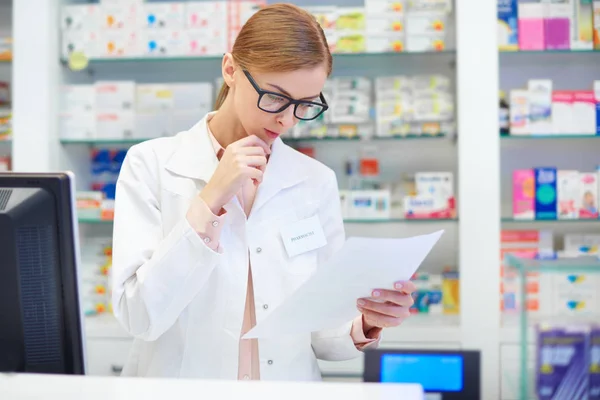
point(183, 302)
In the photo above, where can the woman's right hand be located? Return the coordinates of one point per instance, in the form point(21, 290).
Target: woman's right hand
point(242, 160)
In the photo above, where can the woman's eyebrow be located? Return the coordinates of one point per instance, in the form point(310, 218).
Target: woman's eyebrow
point(282, 90)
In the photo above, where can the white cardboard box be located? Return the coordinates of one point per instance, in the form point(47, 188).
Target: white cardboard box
point(77, 125)
point(115, 95)
point(77, 98)
point(80, 17)
point(163, 15)
point(115, 125)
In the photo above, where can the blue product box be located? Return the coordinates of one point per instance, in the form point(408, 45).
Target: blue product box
point(545, 193)
point(508, 25)
point(595, 363)
point(562, 363)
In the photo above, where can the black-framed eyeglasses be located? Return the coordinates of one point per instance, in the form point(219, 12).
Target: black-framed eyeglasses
point(274, 103)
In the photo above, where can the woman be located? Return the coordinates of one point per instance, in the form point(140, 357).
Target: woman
point(198, 252)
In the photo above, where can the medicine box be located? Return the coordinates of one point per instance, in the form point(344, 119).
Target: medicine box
point(115, 125)
point(369, 204)
point(206, 15)
point(545, 193)
point(425, 23)
point(164, 42)
point(562, 112)
point(582, 25)
point(531, 24)
point(589, 195)
point(125, 15)
point(153, 98)
point(351, 19)
point(540, 106)
point(569, 194)
point(386, 43)
point(120, 43)
point(425, 43)
point(77, 125)
point(596, 9)
point(83, 41)
point(77, 98)
point(557, 24)
point(385, 6)
point(426, 206)
point(385, 23)
point(519, 112)
point(206, 42)
point(584, 112)
point(197, 97)
point(508, 25)
point(149, 125)
point(524, 194)
point(163, 15)
point(115, 95)
point(80, 17)
point(597, 100)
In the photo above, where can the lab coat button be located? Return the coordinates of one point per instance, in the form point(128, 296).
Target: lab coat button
point(258, 250)
point(270, 362)
point(215, 223)
point(206, 240)
point(266, 306)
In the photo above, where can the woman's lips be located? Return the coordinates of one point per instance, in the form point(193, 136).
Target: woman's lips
point(271, 134)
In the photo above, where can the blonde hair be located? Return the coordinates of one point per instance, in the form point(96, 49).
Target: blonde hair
point(280, 37)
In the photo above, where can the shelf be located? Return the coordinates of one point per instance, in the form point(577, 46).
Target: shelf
point(549, 137)
point(358, 138)
point(220, 57)
point(565, 265)
point(102, 142)
point(94, 142)
point(568, 51)
point(399, 221)
point(508, 220)
point(98, 221)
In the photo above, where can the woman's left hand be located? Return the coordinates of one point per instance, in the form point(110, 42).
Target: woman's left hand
point(390, 308)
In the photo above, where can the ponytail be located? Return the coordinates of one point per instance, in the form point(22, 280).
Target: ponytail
point(222, 96)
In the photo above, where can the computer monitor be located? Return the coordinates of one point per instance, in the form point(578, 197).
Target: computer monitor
point(444, 374)
point(40, 319)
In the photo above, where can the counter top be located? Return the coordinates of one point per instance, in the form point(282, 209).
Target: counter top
point(57, 387)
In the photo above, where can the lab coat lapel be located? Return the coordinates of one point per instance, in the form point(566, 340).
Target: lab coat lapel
point(283, 171)
point(195, 157)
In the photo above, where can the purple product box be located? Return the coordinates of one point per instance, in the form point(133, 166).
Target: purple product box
point(557, 24)
point(562, 363)
point(595, 363)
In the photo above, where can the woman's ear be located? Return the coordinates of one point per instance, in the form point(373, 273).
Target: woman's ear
point(228, 69)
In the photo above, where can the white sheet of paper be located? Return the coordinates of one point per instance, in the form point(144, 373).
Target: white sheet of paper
point(328, 299)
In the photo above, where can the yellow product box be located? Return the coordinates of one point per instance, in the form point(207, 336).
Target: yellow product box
point(451, 292)
point(350, 19)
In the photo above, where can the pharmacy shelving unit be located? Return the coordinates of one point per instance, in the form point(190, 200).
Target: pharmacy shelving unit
point(528, 324)
point(5, 69)
point(568, 70)
point(471, 242)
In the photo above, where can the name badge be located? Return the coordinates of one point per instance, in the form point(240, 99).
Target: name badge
point(303, 236)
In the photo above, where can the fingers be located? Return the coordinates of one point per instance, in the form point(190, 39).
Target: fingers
point(393, 310)
point(255, 161)
point(254, 174)
point(405, 286)
point(254, 140)
point(379, 320)
point(393, 296)
point(250, 151)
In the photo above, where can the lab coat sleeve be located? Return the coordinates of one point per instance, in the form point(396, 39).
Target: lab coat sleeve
point(333, 344)
point(155, 275)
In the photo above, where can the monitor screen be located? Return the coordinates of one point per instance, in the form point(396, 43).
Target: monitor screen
point(419, 368)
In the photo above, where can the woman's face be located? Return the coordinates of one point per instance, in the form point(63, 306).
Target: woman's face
point(304, 84)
